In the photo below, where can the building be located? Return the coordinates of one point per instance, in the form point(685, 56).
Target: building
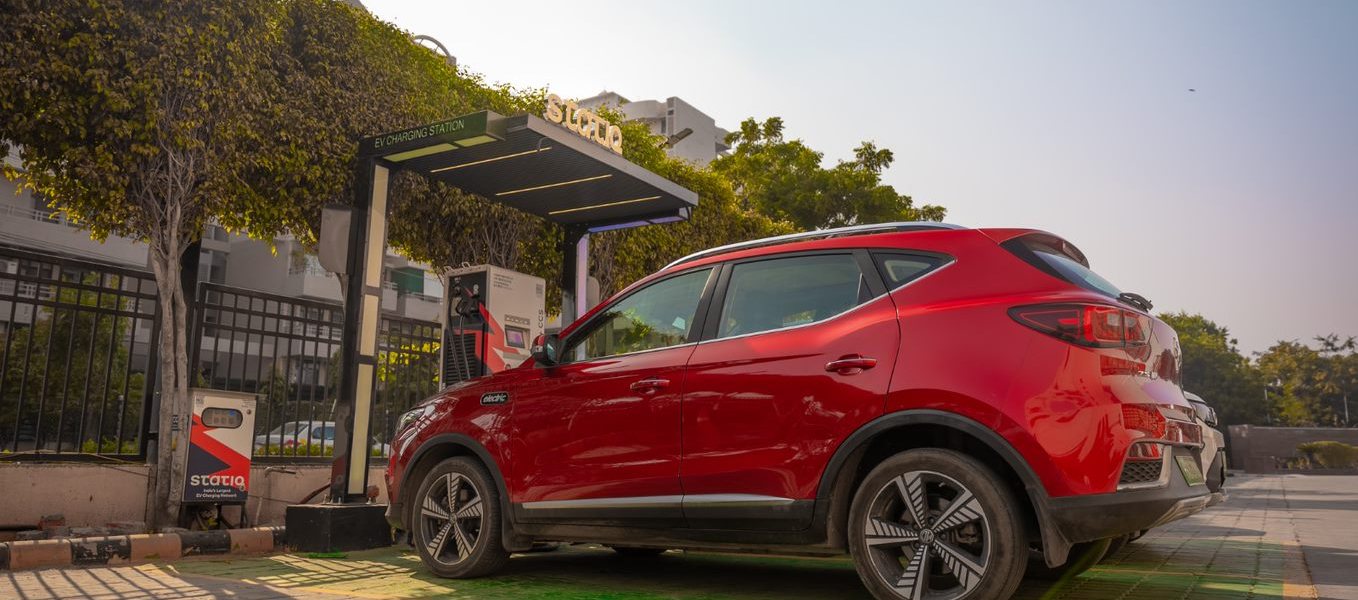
point(693, 135)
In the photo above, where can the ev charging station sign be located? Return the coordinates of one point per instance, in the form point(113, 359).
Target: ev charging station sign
point(221, 441)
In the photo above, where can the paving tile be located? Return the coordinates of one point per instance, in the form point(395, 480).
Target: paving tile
point(1248, 548)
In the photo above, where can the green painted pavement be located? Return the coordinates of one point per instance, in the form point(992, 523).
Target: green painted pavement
point(1158, 567)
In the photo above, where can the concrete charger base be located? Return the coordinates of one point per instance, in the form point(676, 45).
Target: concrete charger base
point(337, 527)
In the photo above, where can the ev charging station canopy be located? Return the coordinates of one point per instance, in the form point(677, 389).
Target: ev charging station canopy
point(537, 167)
point(521, 161)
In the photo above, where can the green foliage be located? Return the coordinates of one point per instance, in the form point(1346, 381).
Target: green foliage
point(1290, 384)
point(108, 446)
point(304, 450)
point(784, 180)
point(1214, 368)
point(138, 118)
point(1308, 385)
point(620, 257)
point(1331, 454)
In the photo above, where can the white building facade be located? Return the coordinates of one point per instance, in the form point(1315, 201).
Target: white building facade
point(694, 136)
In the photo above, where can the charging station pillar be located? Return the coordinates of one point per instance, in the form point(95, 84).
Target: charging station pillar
point(574, 274)
point(348, 521)
point(358, 344)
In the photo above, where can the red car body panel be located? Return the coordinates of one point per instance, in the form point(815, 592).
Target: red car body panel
point(580, 431)
point(761, 413)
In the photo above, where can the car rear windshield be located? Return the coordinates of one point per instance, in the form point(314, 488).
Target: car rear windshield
point(1059, 258)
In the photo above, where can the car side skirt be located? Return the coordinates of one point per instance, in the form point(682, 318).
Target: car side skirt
point(719, 512)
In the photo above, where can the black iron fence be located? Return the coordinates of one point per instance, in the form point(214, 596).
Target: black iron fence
point(77, 357)
point(286, 351)
point(79, 350)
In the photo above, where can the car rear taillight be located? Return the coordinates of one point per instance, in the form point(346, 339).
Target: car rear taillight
point(1148, 422)
point(1092, 325)
point(1144, 419)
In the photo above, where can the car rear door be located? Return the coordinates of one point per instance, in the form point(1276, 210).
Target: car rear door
point(596, 438)
point(797, 353)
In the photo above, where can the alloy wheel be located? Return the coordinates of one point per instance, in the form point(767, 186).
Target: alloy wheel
point(451, 519)
point(927, 537)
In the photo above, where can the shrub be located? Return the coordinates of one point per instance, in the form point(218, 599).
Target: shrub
point(304, 449)
point(108, 446)
point(1331, 454)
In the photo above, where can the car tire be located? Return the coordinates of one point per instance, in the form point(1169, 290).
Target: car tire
point(456, 521)
point(1082, 556)
point(637, 552)
point(936, 521)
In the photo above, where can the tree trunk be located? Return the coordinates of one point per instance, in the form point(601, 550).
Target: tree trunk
point(166, 482)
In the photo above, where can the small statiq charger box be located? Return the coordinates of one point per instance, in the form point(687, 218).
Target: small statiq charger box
point(221, 442)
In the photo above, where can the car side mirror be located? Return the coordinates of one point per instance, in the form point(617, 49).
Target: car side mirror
point(545, 349)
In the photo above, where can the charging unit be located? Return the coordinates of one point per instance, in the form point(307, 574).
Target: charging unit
point(221, 442)
point(491, 316)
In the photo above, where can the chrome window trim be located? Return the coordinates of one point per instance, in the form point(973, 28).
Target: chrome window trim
point(626, 354)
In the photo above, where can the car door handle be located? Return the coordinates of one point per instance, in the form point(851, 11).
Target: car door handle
point(650, 385)
point(850, 365)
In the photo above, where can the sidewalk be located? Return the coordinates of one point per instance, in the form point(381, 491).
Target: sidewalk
point(1251, 547)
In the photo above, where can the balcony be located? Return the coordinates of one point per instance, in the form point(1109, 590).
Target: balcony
point(40, 229)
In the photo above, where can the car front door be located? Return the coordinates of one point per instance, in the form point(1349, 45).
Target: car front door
point(797, 353)
point(596, 437)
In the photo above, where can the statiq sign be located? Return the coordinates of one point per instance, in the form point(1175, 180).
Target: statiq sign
point(584, 123)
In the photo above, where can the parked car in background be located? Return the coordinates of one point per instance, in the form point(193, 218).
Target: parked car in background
point(1214, 442)
point(306, 438)
point(939, 402)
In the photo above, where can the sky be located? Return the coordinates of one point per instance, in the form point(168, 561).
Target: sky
point(1203, 154)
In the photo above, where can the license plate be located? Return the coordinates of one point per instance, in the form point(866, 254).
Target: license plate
point(1189, 467)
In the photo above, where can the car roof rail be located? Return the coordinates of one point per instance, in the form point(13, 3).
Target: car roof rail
point(819, 234)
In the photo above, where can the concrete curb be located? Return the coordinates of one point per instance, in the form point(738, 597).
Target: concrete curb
point(120, 549)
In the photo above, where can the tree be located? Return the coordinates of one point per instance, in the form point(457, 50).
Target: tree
point(145, 120)
point(148, 119)
point(1309, 385)
point(785, 180)
point(618, 258)
point(1214, 368)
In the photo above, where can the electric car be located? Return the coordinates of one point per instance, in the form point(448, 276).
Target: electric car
point(939, 402)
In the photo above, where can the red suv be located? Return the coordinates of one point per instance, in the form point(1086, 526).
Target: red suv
point(945, 404)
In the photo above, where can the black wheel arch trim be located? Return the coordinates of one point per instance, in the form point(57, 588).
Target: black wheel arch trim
point(467, 442)
point(1054, 544)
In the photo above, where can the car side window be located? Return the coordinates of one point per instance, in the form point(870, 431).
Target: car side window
point(657, 316)
point(776, 293)
point(900, 269)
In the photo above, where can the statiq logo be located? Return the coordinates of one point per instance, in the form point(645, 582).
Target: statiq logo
point(235, 481)
point(495, 398)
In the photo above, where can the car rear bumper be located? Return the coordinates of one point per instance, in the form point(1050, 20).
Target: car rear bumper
point(1098, 516)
